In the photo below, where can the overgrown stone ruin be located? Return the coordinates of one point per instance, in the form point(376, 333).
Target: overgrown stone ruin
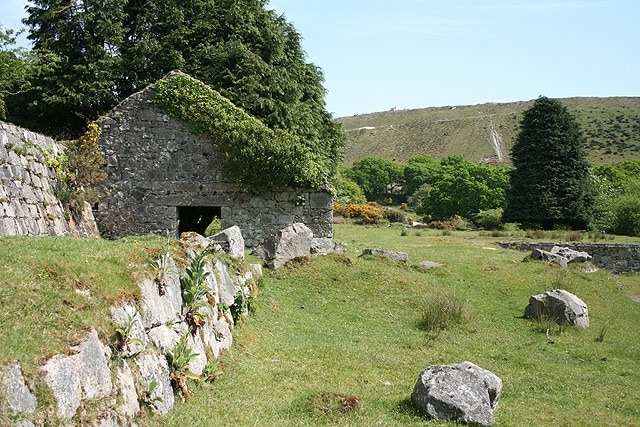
point(161, 174)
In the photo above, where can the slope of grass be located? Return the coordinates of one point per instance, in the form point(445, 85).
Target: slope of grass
point(611, 126)
point(54, 288)
point(351, 326)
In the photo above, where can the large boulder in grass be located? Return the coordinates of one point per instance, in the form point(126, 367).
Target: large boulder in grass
point(560, 305)
point(290, 242)
point(462, 392)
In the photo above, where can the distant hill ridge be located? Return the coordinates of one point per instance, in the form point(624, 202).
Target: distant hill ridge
point(486, 132)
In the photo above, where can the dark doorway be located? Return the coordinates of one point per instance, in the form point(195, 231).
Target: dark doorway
point(196, 218)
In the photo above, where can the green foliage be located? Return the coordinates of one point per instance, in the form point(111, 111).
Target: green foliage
point(418, 171)
point(214, 228)
point(616, 190)
point(550, 180)
point(377, 177)
point(240, 307)
point(419, 196)
point(80, 169)
point(255, 154)
point(347, 191)
point(15, 68)
point(195, 307)
point(490, 219)
point(125, 331)
point(465, 188)
point(626, 210)
point(179, 358)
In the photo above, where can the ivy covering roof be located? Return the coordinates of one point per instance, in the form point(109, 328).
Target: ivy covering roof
point(257, 156)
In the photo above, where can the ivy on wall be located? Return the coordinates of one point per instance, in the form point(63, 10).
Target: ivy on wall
point(255, 155)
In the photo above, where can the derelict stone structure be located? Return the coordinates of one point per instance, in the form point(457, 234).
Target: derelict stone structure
point(159, 173)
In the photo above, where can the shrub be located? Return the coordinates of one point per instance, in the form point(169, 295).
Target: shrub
point(367, 214)
point(79, 170)
point(573, 236)
point(395, 215)
point(490, 219)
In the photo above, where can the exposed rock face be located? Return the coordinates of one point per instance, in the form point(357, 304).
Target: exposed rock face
point(560, 305)
point(161, 301)
point(18, 395)
point(398, 256)
point(82, 376)
point(154, 373)
point(140, 370)
point(127, 390)
point(325, 245)
point(291, 242)
point(128, 317)
point(614, 257)
point(230, 240)
point(464, 392)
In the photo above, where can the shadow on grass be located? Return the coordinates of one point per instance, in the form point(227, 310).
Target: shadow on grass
point(405, 407)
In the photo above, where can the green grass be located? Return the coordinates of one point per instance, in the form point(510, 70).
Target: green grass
point(351, 326)
point(611, 126)
point(339, 340)
point(42, 311)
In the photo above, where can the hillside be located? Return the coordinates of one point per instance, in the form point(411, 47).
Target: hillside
point(486, 132)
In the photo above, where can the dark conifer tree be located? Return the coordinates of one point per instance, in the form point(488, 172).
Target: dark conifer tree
point(549, 182)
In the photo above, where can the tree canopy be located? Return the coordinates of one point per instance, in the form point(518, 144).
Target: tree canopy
point(101, 51)
point(376, 176)
point(465, 188)
point(550, 179)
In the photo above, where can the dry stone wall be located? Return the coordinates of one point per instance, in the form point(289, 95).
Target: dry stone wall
point(28, 202)
point(156, 164)
point(616, 258)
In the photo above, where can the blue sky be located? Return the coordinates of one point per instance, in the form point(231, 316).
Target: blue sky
point(379, 54)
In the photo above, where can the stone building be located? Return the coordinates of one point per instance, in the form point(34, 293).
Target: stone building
point(160, 174)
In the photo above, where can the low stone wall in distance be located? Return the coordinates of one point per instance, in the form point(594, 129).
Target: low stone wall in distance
point(616, 258)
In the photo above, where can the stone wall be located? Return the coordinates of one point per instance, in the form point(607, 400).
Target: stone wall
point(156, 164)
point(28, 202)
point(616, 258)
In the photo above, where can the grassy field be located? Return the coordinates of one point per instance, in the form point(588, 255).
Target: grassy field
point(350, 326)
point(336, 332)
point(611, 126)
